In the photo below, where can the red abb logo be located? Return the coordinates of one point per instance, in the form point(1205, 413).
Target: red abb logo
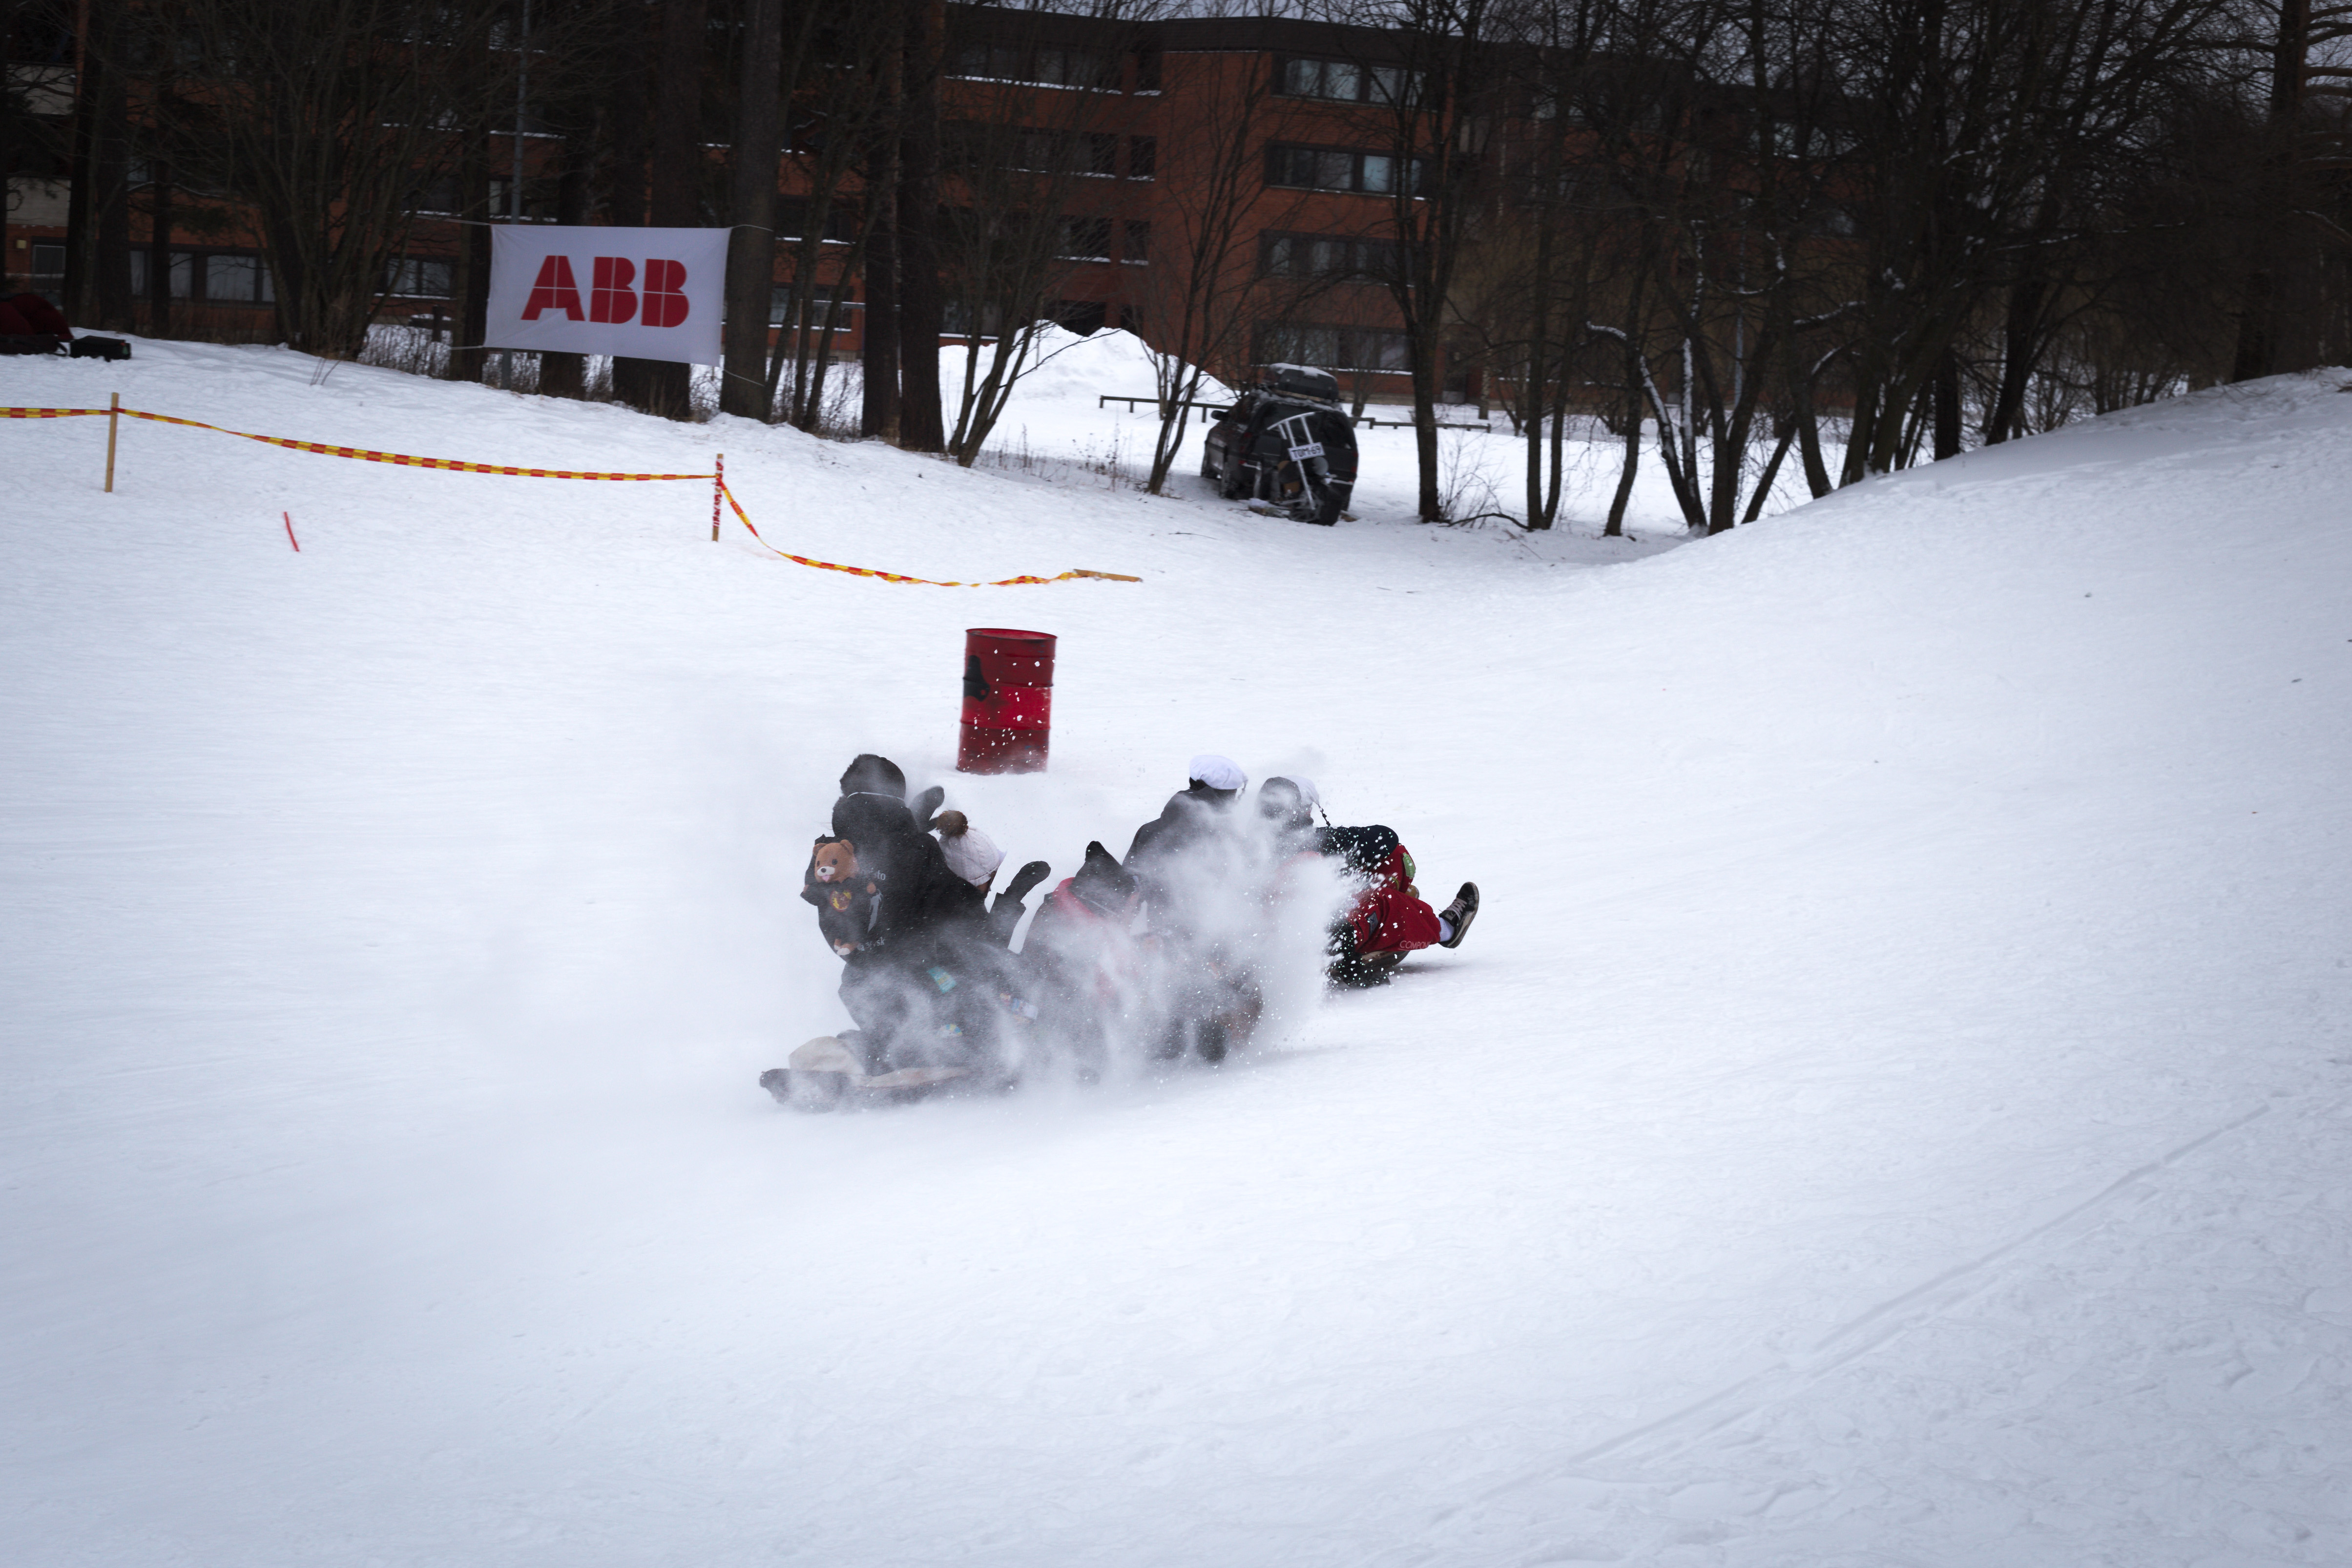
point(614, 294)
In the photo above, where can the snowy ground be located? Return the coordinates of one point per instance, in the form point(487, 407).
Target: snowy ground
point(1894, 1110)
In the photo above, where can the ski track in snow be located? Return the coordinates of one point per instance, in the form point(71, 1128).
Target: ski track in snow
point(1893, 1108)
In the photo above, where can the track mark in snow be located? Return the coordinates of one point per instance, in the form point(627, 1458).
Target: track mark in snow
point(1782, 1378)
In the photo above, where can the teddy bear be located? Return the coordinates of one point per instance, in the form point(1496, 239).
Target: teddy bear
point(844, 900)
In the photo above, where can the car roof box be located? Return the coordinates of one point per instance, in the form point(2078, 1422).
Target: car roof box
point(1304, 381)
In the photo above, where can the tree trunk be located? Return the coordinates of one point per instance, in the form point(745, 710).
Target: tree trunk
point(473, 269)
point(565, 374)
point(1615, 527)
point(1946, 390)
point(752, 246)
point(922, 305)
point(2258, 322)
point(879, 414)
point(1771, 472)
point(625, 205)
point(1558, 440)
point(1538, 326)
point(159, 251)
point(7, 147)
point(1424, 426)
point(2019, 335)
point(677, 170)
point(81, 175)
point(112, 171)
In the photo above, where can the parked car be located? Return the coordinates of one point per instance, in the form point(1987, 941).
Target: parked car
point(1285, 442)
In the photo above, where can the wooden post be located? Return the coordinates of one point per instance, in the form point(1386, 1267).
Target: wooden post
point(113, 418)
point(717, 488)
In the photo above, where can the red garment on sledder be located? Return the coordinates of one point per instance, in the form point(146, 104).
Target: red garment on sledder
point(1388, 916)
point(41, 317)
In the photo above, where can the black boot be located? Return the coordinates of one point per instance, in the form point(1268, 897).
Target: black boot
point(1461, 912)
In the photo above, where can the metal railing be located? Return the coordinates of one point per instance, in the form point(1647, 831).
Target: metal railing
point(1485, 424)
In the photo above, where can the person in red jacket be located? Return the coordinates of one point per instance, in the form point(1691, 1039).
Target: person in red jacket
point(1389, 917)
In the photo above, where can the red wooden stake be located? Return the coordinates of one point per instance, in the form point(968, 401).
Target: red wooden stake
point(290, 532)
point(717, 488)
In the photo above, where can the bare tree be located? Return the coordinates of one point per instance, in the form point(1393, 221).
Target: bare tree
point(1026, 204)
point(1204, 280)
point(1433, 107)
point(323, 119)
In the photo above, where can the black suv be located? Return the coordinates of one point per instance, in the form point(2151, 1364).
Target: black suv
point(1286, 441)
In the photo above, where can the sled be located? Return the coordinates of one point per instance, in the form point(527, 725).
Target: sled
point(825, 1073)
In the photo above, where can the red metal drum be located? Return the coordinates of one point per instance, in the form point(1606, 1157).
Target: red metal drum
point(1008, 701)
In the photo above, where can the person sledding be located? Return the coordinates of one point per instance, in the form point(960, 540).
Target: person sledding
point(1089, 963)
point(974, 858)
point(995, 989)
point(1196, 822)
point(1193, 866)
point(1389, 919)
point(886, 904)
point(926, 979)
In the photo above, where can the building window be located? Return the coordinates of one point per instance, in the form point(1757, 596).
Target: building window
point(444, 195)
point(974, 144)
point(48, 277)
point(1085, 239)
point(182, 271)
point(957, 321)
point(792, 218)
point(238, 281)
point(1334, 348)
point(420, 278)
point(1038, 67)
point(538, 199)
point(1340, 169)
point(1084, 317)
point(1142, 157)
point(1326, 256)
point(1137, 250)
point(1043, 151)
point(781, 298)
point(1147, 70)
point(1343, 81)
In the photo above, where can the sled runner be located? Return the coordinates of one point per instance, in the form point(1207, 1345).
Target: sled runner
point(825, 1072)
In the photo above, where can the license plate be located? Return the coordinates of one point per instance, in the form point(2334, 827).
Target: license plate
point(1312, 449)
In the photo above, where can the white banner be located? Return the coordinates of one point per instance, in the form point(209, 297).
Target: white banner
point(649, 293)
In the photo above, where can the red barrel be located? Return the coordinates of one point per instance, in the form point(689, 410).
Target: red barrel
point(1008, 701)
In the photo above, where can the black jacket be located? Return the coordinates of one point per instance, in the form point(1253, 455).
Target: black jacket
point(920, 896)
point(1190, 816)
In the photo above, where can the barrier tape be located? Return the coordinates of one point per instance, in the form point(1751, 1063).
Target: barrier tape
point(398, 459)
point(745, 518)
point(401, 460)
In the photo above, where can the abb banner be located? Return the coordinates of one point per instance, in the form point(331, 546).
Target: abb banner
point(649, 293)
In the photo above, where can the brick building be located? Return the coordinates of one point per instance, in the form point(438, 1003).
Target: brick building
point(1122, 113)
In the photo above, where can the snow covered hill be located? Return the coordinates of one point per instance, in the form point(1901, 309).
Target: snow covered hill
point(1893, 1108)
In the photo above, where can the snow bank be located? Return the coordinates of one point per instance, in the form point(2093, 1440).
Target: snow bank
point(1072, 366)
point(1891, 1106)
